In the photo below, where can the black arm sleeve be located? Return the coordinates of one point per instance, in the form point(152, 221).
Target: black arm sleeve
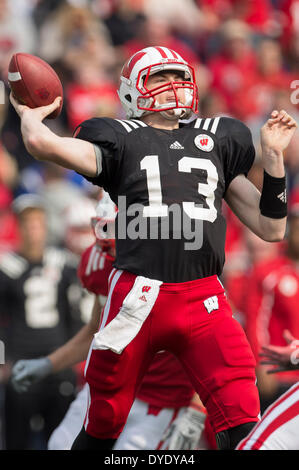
point(237, 149)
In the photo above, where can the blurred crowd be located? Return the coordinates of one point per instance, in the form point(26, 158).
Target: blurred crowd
point(246, 58)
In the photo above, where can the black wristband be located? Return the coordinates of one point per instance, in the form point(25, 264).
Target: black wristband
point(273, 202)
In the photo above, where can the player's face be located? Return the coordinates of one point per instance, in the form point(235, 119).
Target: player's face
point(168, 96)
point(78, 239)
point(33, 227)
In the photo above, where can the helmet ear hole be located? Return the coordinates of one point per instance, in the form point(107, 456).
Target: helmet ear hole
point(128, 98)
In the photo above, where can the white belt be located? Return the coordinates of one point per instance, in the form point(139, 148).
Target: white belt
point(134, 311)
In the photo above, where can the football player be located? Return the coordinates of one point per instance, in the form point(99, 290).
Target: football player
point(272, 306)
point(278, 428)
point(164, 293)
point(35, 285)
point(165, 413)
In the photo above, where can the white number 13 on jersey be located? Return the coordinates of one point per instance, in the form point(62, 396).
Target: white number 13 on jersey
point(156, 208)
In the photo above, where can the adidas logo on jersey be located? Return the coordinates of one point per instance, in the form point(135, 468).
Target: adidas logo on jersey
point(143, 298)
point(176, 146)
point(283, 196)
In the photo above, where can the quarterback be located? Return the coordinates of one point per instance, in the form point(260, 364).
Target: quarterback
point(163, 296)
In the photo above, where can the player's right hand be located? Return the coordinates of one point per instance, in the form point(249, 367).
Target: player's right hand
point(40, 113)
point(27, 372)
point(282, 358)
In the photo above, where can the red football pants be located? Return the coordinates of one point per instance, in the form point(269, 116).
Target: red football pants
point(212, 348)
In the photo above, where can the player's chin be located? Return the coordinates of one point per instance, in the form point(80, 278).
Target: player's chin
point(170, 112)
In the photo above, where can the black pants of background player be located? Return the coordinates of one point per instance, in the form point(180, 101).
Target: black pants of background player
point(268, 400)
point(32, 416)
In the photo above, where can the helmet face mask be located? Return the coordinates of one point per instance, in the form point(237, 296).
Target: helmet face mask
point(138, 100)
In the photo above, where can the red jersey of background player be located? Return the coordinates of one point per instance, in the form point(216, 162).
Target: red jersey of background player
point(165, 384)
point(272, 305)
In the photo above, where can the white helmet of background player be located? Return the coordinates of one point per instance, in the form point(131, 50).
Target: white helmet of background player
point(103, 222)
point(138, 100)
point(78, 232)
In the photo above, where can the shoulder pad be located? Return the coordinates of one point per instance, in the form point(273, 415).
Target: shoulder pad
point(125, 126)
point(206, 124)
point(13, 265)
point(90, 259)
point(230, 127)
point(221, 126)
point(97, 126)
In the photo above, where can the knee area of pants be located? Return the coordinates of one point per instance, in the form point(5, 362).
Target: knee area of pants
point(108, 414)
point(241, 399)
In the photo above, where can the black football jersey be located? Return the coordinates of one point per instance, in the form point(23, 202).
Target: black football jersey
point(168, 186)
point(39, 304)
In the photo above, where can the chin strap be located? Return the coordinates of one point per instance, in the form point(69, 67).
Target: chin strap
point(178, 113)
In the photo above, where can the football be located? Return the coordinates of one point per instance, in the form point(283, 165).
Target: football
point(34, 82)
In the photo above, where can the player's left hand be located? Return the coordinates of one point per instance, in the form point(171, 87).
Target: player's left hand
point(278, 131)
point(185, 431)
point(283, 358)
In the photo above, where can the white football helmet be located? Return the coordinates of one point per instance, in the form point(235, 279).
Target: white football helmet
point(138, 100)
point(103, 223)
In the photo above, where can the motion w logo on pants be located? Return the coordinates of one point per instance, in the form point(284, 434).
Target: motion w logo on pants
point(211, 303)
point(204, 142)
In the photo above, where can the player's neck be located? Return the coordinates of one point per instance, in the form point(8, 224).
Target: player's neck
point(158, 121)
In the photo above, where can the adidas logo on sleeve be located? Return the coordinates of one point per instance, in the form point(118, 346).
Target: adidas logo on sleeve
point(283, 196)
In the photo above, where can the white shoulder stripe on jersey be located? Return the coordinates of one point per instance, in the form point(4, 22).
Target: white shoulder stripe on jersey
point(141, 123)
point(215, 125)
point(197, 123)
point(125, 125)
point(206, 124)
point(131, 123)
